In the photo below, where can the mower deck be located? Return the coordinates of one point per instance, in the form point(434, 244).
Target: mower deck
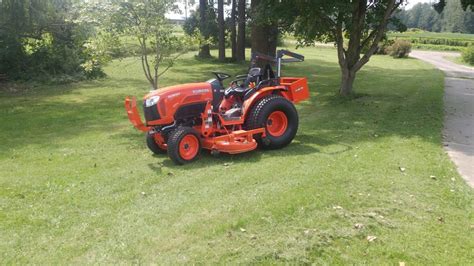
point(236, 142)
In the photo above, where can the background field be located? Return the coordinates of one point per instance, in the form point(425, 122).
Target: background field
point(427, 34)
point(442, 41)
point(78, 185)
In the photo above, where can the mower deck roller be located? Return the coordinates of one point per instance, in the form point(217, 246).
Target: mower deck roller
point(256, 110)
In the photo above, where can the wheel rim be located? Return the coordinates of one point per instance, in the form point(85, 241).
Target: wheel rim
point(277, 123)
point(189, 147)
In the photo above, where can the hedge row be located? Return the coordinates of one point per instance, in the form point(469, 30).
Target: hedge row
point(438, 41)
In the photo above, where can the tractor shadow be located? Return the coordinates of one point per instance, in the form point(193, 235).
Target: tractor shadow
point(302, 145)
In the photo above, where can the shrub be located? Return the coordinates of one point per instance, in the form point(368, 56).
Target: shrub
point(399, 49)
point(381, 48)
point(468, 55)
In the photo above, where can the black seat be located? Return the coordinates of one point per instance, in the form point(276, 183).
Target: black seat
point(254, 76)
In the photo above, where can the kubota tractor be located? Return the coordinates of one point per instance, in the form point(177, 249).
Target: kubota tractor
point(256, 110)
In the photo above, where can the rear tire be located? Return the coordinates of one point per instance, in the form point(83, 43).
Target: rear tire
point(152, 145)
point(184, 145)
point(279, 118)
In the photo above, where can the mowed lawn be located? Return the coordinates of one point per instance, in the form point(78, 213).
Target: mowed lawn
point(78, 185)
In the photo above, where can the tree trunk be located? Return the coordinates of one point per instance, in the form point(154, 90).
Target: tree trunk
point(264, 35)
point(350, 60)
point(204, 51)
point(347, 81)
point(186, 9)
point(233, 30)
point(220, 18)
point(241, 31)
point(264, 39)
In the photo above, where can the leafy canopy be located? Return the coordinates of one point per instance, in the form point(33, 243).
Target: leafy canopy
point(354, 26)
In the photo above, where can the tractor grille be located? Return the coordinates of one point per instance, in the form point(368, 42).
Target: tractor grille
point(151, 113)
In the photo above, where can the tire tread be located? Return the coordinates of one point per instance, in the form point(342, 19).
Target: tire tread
point(254, 119)
point(173, 144)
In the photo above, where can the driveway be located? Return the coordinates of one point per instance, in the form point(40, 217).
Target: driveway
point(458, 133)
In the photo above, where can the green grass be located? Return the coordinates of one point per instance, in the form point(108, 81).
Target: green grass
point(457, 60)
point(77, 184)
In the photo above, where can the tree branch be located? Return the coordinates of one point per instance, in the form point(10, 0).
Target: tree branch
point(145, 55)
point(357, 25)
point(341, 54)
point(391, 7)
point(145, 65)
point(366, 40)
point(170, 65)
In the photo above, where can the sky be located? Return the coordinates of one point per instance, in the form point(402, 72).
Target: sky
point(410, 4)
point(181, 7)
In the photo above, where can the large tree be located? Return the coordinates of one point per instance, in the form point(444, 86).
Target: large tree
point(453, 17)
point(220, 20)
point(204, 50)
point(466, 4)
point(264, 29)
point(351, 25)
point(233, 29)
point(240, 51)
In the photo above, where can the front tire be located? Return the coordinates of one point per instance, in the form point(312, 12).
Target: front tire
point(152, 145)
point(279, 118)
point(184, 145)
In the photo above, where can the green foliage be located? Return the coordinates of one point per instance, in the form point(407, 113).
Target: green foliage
point(211, 29)
point(382, 47)
point(362, 24)
point(92, 66)
point(399, 49)
point(42, 39)
point(436, 47)
point(440, 41)
point(445, 41)
point(468, 55)
point(421, 16)
point(316, 20)
point(453, 17)
point(413, 32)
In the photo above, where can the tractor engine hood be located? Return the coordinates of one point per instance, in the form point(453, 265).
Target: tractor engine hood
point(161, 106)
point(201, 88)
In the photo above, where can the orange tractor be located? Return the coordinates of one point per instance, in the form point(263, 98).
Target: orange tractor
point(256, 110)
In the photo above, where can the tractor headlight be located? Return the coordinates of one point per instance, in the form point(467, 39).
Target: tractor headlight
point(152, 101)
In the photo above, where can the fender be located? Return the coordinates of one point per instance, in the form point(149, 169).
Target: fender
point(260, 94)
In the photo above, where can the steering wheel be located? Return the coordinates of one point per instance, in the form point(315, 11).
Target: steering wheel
point(239, 81)
point(221, 76)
